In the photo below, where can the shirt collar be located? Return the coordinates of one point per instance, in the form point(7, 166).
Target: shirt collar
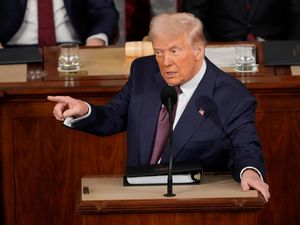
point(190, 86)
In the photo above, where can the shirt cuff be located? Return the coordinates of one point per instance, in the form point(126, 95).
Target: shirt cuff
point(252, 168)
point(70, 120)
point(101, 36)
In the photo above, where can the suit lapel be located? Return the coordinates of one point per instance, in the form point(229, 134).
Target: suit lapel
point(194, 114)
point(149, 115)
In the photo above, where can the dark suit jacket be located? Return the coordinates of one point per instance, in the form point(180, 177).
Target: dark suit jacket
point(88, 17)
point(227, 20)
point(223, 139)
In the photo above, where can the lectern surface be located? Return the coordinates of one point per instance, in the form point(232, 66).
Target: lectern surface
point(220, 186)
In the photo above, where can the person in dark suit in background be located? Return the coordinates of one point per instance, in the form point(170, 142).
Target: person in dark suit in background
point(215, 115)
point(231, 20)
point(92, 23)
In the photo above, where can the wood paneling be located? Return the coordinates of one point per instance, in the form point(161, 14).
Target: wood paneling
point(43, 162)
point(193, 218)
point(278, 125)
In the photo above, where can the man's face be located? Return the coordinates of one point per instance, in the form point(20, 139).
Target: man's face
point(178, 60)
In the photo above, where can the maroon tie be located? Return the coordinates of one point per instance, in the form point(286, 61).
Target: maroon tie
point(46, 29)
point(162, 131)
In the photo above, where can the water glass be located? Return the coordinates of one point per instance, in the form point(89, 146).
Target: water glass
point(68, 60)
point(245, 60)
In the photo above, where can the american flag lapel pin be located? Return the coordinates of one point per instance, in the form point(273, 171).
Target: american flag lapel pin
point(201, 112)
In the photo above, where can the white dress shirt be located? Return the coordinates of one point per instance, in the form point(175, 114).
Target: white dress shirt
point(64, 30)
point(188, 90)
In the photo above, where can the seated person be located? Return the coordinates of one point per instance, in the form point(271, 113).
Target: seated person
point(91, 23)
point(241, 20)
point(215, 115)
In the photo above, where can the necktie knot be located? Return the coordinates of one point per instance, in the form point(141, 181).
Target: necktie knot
point(178, 89)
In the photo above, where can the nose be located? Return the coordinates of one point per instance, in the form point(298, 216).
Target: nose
point(167, 60)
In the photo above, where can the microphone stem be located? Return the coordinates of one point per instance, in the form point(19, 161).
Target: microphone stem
point(170, 146)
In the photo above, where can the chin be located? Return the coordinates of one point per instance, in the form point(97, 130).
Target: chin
point(174, 81)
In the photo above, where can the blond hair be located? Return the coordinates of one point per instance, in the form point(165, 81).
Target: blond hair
point(177, 24)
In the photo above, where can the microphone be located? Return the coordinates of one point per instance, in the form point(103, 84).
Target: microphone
point(168, 96)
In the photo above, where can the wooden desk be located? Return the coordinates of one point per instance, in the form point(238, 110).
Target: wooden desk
point(42, 161)
point(217, 200)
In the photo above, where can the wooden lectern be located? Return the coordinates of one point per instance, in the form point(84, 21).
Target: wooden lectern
point(217, 200)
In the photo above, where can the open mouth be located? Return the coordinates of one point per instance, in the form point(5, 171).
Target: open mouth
point(170, 74)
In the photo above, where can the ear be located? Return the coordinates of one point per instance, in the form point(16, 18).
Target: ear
point(199, 52)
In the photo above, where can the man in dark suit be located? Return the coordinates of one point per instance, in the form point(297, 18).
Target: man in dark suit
point(234, 20)
point(215, 115)
point(87, 22)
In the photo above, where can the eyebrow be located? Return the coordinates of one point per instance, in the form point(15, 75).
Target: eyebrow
point(174, 46)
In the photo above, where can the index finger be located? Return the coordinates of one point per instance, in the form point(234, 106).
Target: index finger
point(59, 99)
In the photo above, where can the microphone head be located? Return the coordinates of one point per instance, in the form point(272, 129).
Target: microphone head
point(168, 96)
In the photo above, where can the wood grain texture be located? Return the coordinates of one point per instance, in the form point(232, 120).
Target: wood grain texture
point(44, 161)
point(278, 124)
point(193, 218)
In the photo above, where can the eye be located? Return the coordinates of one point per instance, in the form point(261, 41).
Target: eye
point(158, 53)
point(175, 51)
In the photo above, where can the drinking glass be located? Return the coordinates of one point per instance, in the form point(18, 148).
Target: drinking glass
point(68, 60)
point(245, 60)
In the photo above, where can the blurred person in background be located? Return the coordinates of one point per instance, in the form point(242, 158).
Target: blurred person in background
point(91, 23)
point(247, 20)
